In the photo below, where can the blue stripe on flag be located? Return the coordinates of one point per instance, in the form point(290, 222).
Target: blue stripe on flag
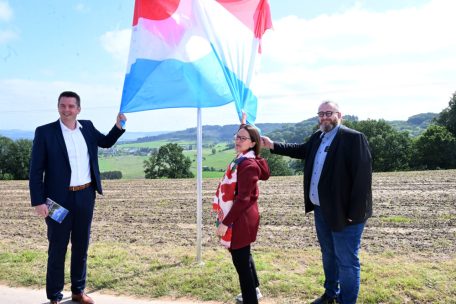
point(171, 83)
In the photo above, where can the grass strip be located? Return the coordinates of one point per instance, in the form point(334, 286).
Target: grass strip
point(286, 276)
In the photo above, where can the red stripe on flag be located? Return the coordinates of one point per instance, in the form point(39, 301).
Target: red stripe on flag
point(154, 9)
point(243, 10)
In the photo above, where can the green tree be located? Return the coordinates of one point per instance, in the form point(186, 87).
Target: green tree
point(297, 166)
point(20, 158)
point(14, 158)
point(5, 152)
point(277, 164)
point(447, 117)
point(435, 149)
point(168, 162)
point(391, 150)
point(111, 175)
point(5, 147)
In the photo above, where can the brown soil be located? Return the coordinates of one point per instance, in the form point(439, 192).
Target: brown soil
point(413, 212)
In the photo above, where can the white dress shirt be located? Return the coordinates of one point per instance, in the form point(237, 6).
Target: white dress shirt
point(78, 155)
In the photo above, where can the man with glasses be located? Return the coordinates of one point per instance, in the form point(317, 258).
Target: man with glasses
point(337, 187)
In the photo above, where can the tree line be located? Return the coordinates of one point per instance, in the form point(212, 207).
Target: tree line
point(391, 150)
point(394, 150)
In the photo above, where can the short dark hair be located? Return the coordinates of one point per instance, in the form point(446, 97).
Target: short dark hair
point(254, 137)
point(70, 94)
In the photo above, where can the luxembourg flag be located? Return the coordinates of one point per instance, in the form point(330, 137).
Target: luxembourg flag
point(194, 53)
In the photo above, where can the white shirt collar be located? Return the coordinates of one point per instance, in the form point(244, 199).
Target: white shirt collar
point(65, 128)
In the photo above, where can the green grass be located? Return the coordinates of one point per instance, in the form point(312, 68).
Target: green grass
point(287, 276)
point(396, 219)
point(218, 161)
point(132, 167)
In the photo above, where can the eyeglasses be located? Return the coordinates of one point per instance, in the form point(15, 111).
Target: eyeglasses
point(241, 138)
point(327, 113)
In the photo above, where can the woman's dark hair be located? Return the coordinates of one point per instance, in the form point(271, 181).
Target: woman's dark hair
point(254, 137)
point(70, 94)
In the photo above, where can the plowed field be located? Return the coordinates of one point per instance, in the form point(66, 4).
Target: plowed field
point(413, 212)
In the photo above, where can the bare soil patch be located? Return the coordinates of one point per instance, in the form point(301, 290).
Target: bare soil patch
point(413, 212)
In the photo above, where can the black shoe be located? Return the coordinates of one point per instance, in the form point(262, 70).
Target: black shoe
point(325, 299)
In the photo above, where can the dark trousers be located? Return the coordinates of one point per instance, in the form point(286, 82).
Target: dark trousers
point(76, 226)
point(248, 279)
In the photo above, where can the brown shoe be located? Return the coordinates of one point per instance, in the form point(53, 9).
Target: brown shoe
point(82, 298)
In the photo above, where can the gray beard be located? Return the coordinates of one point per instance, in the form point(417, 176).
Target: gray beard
point(326, 128)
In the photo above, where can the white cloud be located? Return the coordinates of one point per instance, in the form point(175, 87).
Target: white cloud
point(117, 43)
point(6, 13)
point(388, 65)
point(376, 65)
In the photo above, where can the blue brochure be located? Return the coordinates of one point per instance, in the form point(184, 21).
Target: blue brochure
point(56, 212)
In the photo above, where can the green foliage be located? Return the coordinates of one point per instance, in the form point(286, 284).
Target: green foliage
point(5, 151)
point(111, 175)
point(14, 158)
point(435, 149)
point(294, 133)
point(210, 133)
point(423, 119)
point(447, 117)
point(277, 164)
point(297, 166)
point(390, 149)
point(168, 162)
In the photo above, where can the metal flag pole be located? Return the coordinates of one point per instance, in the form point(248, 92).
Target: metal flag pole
point(199, 186)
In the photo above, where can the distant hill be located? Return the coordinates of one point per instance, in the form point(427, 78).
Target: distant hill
point(289, 132)
point(127, 136)
point(212, 133)
point(301, 130)
point(415, 125)
point(17, 134)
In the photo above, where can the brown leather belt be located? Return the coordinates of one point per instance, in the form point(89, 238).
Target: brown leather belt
point(81, 187)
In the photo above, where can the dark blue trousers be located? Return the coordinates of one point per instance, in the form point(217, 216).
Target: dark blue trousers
point(340, 257)
point(75, 226)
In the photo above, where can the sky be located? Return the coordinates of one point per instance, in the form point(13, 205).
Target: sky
point(384, 59)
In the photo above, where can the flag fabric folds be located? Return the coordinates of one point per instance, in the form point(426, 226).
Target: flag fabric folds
point(194, 53)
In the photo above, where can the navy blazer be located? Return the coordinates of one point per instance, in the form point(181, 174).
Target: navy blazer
point(345, 186)
point(50, 171)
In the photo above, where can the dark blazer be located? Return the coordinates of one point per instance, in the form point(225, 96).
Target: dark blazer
point(244, 215)
point(345, 186)
point(50, 171)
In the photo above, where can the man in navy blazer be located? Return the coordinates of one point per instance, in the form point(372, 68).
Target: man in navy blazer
point(64, 168)
point(338, 188)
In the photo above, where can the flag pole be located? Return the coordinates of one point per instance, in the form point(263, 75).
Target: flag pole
point(199, 186)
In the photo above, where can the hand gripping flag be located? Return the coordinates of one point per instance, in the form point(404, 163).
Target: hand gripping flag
point(194, 53)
